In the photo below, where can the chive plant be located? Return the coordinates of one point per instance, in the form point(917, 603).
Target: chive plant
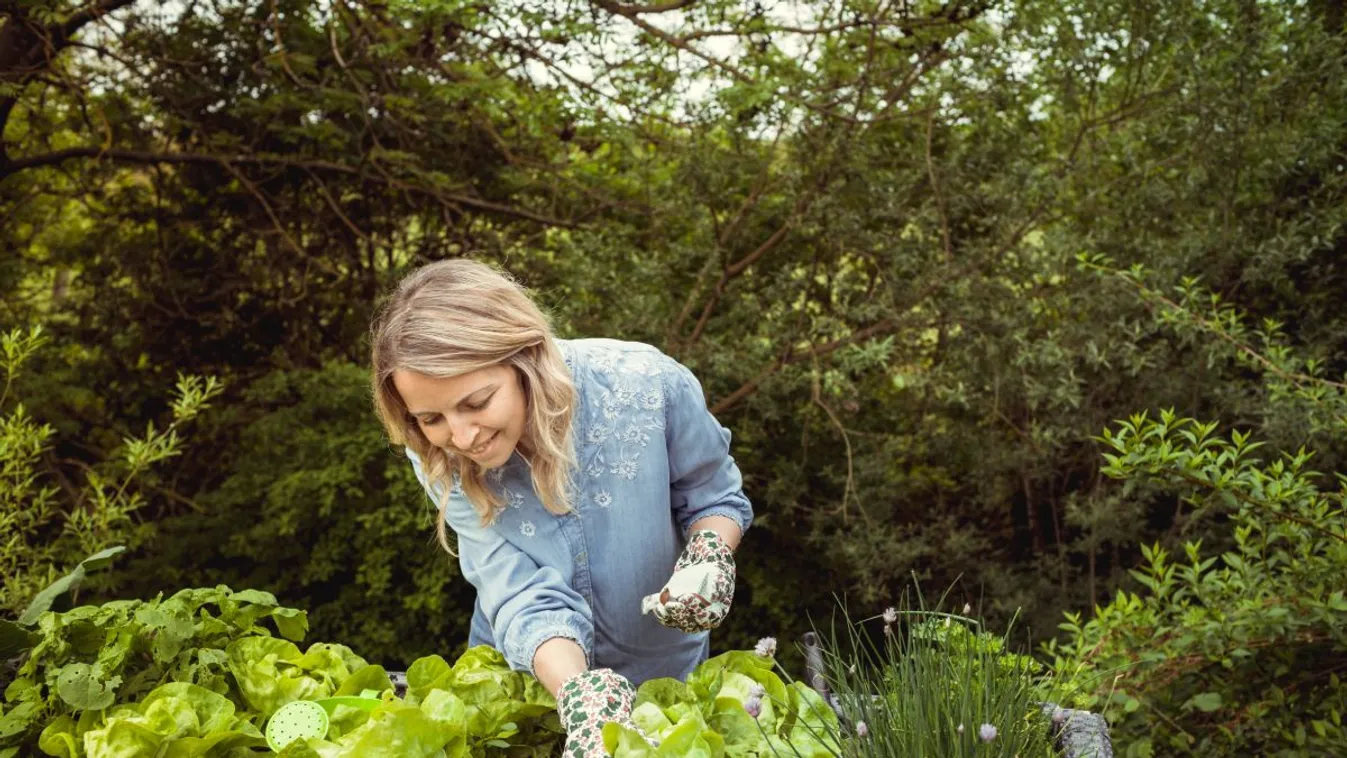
point(931, 684)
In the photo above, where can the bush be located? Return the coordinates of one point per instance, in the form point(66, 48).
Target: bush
point(49, 529)
point(1239, 652)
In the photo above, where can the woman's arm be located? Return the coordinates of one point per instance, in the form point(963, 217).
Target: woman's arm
point(726, 527)
point(557, 660)
point(527, 604)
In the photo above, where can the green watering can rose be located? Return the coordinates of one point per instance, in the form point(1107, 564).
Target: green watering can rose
point(303, 719)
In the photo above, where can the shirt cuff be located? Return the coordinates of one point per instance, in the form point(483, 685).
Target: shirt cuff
point(542, 627)
point(732, 512)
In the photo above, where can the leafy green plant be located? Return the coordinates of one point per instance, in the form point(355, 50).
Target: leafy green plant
point(91, 658)
point(200, 673)
point(732, 704)
point(48, 528)
point(1229, 652)
point(1239, 650)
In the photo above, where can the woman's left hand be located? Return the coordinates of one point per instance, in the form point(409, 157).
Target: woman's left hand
point(698, 595)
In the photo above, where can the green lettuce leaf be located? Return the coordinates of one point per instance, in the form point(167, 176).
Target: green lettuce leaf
point(397, 729)
point(176, 720)
point(272, 672)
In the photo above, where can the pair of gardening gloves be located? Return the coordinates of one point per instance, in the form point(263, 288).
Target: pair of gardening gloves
point(696, 598)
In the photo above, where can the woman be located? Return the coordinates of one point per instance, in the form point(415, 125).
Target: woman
point(593, 495)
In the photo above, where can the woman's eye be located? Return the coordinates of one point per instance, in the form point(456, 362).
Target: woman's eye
point(431, 421)
point(480, 405)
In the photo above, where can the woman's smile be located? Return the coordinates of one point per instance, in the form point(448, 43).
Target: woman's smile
point(480, 449)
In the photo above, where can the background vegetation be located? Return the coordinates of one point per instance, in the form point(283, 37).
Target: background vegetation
point(927, 258)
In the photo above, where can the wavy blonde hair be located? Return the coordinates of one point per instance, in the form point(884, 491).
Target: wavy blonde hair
point(455, 316)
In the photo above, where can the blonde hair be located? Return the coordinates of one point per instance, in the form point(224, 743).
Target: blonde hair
point(452, 317)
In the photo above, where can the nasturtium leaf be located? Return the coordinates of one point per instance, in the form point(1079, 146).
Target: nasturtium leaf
point(84, 688)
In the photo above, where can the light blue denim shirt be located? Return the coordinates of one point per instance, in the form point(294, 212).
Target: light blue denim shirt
point(651, 461)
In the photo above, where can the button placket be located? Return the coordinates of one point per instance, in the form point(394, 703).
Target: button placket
point(575, 540)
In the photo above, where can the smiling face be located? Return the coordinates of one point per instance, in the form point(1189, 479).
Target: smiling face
point(479, 415)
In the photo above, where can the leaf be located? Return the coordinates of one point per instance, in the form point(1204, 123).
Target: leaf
point(293, 624)
point(80, 687)
point(14, 639)
point(19, 719)
point(102, 558)
point(43, 602)
point(1337, 602)
point(1206, 702)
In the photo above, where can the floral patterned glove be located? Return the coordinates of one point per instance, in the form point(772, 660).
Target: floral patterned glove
point(586, 702)
point(697, 597)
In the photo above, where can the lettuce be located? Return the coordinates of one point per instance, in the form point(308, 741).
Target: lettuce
point(176, 720)
point(706, 716)
point(436, 728)
point(507, 711)
point(271, 672)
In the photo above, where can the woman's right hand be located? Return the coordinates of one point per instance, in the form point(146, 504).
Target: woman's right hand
point(586, 702)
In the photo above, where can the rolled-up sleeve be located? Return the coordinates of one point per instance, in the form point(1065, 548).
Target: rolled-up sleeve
point(703, 477)
point(525, 603)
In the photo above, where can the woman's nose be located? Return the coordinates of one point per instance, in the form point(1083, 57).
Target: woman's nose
point(462, 436)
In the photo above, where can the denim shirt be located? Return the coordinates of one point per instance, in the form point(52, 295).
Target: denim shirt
point(651, 460)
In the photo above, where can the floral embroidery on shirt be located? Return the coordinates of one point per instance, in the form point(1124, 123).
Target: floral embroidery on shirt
point(628, 410)
point(626, 468)
point(652, 399)
point(527, 528)
point(512, 498)
point(635, 435)
point(603, 498)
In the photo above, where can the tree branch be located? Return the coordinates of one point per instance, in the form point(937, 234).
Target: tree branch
point(636, 10)
point(27, 49)
point(148, 157)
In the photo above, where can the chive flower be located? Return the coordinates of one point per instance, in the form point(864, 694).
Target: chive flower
point(987, 732)
point(754, 706)
point(890, 616)
point(862, 730)
point(766, 647)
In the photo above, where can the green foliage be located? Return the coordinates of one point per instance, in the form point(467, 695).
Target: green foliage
point(505, 710)
point(858, 224)
point(732, 704)
point(199, 673)
point(314, 506)
point(90, 658)
point(1235, 650)
point(47, 527)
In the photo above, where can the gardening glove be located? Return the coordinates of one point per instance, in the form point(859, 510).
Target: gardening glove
point(586, 702)
point(697, 597)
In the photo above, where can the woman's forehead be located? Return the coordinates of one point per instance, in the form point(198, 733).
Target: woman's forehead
point(424, 393)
